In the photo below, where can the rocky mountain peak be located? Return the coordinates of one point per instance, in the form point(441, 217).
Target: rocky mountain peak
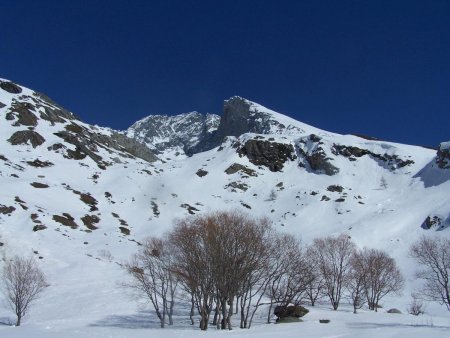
point(242, 116)
point(174, 135)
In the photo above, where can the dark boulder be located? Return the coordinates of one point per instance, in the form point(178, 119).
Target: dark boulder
point(272, 155)
point(236, 167)
point(25, 136)
point(292, 311)
point(335, 188)
point(6, 210)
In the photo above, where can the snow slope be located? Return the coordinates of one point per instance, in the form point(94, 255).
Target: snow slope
point(377, 192)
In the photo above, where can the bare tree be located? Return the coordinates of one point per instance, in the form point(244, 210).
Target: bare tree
point(315, 289)
point(381, 276)
point(193, 265)
point(152, 275)
point(355, 286)
point(433, 255)
point(332, 258)
point(293, 275)
point(23, 282)
point(257, 281)
point(236, 243)
point(217, 257)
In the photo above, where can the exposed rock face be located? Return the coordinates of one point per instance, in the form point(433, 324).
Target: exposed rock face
point(391, 162)
point(269, 154)
point(349, 151)
point(194, 132)
point(443, 155)
point(182, 133)
point(25, 136)
point(23, 111)
point(236, 167)
point(26, 110)
point(311, 150)
point(241, 116)
point(436, 222)
point(10, 87)
point(30, 108)
point(123, 143)
point(237, 119)
point(87, 142)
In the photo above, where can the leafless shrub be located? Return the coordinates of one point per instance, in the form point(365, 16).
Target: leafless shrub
point(22, 283)
point(416, 307)
point(105, 254)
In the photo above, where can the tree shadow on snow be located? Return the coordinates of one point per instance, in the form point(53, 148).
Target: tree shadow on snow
point(6, 321)
point(140, 320)
point(371, 325)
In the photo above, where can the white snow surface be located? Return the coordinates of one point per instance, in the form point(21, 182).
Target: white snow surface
point(382, 209)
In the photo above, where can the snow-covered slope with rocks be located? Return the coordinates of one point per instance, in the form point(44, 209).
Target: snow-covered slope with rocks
point(81, 197)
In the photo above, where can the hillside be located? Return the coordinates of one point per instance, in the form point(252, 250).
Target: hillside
point(81, 197)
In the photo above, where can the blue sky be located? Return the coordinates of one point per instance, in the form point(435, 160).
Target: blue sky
point(380, 68)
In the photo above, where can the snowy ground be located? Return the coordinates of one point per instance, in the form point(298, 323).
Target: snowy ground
point(343, 323)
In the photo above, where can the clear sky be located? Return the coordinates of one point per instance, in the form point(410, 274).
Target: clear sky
point(380, 68)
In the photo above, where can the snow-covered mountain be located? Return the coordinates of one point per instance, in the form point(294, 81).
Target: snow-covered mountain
point(174, 136)
point(81, 197)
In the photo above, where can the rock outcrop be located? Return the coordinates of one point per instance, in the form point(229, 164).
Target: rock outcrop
point(272, 155)
point(312, 151)
point(443, 155)
point(25, 137)
point(30, 108)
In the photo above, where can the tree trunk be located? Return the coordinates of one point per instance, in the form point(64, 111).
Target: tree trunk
point(335, 305)
point(172, 305)
point(269, 315)
point(230, 313)
point(191, 314)
point(19, 318)
point(223, 307)
point(216, 315)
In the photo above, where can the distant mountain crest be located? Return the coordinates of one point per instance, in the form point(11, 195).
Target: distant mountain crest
point(174, 135)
